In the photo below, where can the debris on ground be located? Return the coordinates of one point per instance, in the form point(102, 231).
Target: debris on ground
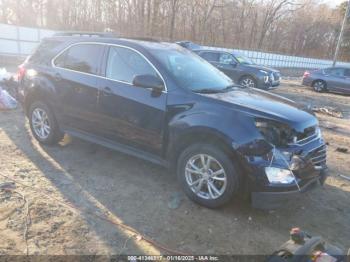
point(7, 186)
point(342, 150)
point(4, 75)
point(7, 102)
point(175, 200)
point(328, 110)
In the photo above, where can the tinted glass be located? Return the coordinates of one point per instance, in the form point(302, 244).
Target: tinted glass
point(210, 56)
point(226, 59)
point(123, 64)
point(334, 71)
point(190, 71)
point(83, 58)
point(347, 72)
point(243, 59)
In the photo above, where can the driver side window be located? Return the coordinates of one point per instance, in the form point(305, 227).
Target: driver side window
point(123, 64)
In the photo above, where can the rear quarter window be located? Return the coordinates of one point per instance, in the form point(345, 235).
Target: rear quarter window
point(83, 58)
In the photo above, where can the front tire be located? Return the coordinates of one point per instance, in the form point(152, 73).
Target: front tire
point(319, 86)
point(43, 124)
point(248, 81)
point(207, 175)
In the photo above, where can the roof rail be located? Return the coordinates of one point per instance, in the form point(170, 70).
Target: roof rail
point(149, 39)
point(82, 33)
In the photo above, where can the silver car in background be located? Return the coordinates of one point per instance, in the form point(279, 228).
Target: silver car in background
point(333, 79)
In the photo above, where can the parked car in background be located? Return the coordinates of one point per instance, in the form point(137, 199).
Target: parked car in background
point(333, 79)
point(165, 104)
point(241, 69)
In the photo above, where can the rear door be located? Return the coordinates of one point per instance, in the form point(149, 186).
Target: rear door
point(345, 85)
point(75, 78)
point(128, 114)
point(334, 78)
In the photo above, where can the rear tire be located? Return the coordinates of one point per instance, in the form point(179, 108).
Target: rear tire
point(213, 184)
point(43, 124)
point(319, 86)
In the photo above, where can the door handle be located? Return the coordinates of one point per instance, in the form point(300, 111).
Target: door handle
point(58, 77)
point(107, 91)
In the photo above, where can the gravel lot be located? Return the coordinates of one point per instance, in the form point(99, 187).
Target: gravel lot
point(73, 185)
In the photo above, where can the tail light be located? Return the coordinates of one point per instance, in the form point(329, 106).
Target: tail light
point(21, 72)
point(306, 74)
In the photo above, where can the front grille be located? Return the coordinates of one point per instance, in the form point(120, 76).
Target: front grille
point(318, 156)
point(308, 135)
point(308, 132)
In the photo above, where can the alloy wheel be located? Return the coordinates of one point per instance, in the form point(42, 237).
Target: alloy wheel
point(319, 86)
point(205, 176)
point(248, 82)
point(41, 123)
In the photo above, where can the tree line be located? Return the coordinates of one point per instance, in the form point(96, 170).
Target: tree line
point(295, 27)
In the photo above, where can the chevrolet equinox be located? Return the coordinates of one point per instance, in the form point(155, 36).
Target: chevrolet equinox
point(163, 103)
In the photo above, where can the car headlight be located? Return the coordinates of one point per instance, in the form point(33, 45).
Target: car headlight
point(277, 175)
point(274, 132)
point(266, 76)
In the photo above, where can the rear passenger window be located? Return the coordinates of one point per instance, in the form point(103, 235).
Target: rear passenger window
point(226, 59)
point(82, 57)
point(210, 56)
point(123, 64)
point(336, 71)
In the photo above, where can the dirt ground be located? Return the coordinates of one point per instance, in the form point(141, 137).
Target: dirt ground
point(68, 188)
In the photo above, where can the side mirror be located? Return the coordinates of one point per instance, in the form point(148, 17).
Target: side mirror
point(148, 81)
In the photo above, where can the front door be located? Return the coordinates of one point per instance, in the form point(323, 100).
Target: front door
point(228, 64)
point(128, 114)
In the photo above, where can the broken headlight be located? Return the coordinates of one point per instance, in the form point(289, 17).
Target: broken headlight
point(279, 176)
point(277, 134)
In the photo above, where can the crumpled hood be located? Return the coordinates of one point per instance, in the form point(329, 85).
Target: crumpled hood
point(265, 104)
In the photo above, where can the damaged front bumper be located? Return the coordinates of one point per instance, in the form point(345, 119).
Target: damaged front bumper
point(306, 162)
point(275, 199)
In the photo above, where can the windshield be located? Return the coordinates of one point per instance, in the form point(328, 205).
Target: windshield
point(243, 59)
point(192, 72)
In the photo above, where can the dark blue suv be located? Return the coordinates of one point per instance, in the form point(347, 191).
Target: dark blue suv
point(162, 103)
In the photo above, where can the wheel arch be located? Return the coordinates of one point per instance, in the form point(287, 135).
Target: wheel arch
point(41, 90)
point(199, 135)
point(319, 80)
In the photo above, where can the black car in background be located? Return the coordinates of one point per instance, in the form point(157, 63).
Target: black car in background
point(333, 79)
point(164, 104)
point(241, 69)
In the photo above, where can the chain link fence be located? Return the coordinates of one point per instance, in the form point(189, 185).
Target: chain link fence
point(282, 61)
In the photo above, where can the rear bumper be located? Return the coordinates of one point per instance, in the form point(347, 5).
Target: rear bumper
point(272, 200)
point(306, 82)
